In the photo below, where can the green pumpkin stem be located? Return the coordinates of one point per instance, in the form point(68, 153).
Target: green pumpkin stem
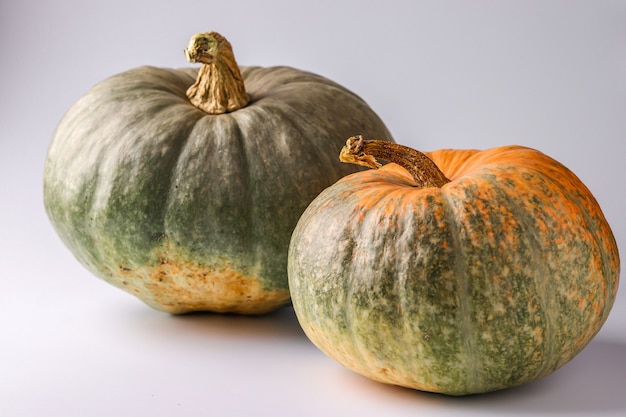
point(219, 87)
point(364, 152)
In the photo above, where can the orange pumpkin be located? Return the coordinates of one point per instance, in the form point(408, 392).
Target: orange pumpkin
point(462, 272)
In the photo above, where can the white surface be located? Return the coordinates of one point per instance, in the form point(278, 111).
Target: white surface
point(546, 74)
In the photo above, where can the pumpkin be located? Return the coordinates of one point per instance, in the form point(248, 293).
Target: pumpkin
point(182, 186)
point(457, 271)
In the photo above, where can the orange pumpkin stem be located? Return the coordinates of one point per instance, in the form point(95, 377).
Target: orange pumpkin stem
point(219, 87)
point(364, 152)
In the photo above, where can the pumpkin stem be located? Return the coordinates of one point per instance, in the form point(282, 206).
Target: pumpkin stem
point(219, 87)
point(364, 152)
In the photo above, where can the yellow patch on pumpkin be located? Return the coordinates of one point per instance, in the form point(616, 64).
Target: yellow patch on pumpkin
point(179, 286)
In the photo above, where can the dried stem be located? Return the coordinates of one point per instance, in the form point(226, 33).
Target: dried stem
point(219, 87)
point(364, 152)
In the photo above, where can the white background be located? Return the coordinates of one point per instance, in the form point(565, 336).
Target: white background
point(462, 74)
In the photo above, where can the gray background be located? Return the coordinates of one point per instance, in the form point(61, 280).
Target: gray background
point(460, 74)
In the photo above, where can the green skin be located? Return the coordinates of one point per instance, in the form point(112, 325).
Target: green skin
point(468, 288)
point(165, 201)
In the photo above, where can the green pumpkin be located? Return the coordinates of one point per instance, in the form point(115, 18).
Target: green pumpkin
point(189, 210)
point(481, 271)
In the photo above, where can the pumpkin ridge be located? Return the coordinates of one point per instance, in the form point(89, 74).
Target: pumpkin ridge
point(350, 312)
point(578, 195)
point(258, 158)
point(581, 202)
point(403, 281)
point(106, 189)
point(500, 279)
point(359, 244)
point(415, 331)
point(165, 83)
point(164, 133)
point(349, 315)
point(541, 282)
point(453, 163)
point(206, 148)
point(451, 214)
point(298, 78)
point(245, 164)
point(173, 178)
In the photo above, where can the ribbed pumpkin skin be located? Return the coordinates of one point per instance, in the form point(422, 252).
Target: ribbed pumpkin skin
point(495, 279)
point(190, 211)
